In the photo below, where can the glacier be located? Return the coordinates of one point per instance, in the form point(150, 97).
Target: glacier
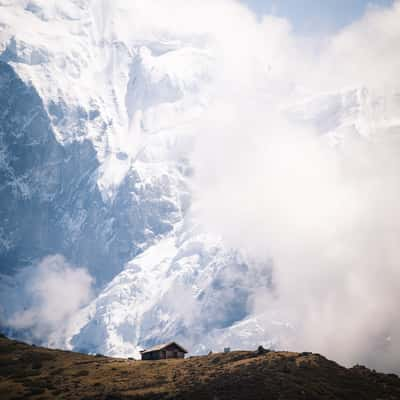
point(96, 132)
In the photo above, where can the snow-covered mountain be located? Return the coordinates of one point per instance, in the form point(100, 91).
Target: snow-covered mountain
point(96, 130)
point(104, 120)
point(94, 148)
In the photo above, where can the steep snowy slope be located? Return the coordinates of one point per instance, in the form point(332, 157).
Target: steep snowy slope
point(110, 112)
point(355, 112)
point(185, 287)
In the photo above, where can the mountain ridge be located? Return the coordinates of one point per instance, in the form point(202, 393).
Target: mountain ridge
point(35, 372)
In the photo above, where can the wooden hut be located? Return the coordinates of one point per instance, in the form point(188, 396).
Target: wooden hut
point(164, 351)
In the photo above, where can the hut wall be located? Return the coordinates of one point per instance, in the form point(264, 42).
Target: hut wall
point(169, 352)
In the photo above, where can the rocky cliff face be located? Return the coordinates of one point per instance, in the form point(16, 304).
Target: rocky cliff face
point(51, 202)
point(66, 187)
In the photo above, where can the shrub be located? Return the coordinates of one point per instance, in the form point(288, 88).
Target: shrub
point(36, 390)
point(57, 371)
point(37, 363)
point(83, 372)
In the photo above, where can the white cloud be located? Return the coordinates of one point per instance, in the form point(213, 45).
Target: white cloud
point(52, 292)
point(328, 216)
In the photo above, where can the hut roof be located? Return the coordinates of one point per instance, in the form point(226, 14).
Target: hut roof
point(162, 347)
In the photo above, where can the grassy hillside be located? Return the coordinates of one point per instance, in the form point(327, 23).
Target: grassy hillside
point(38, 373)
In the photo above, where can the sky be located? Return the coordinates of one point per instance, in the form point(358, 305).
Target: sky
point(315, 16)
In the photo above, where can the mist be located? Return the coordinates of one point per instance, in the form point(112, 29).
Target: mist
point(51, 293)
point(318, 199)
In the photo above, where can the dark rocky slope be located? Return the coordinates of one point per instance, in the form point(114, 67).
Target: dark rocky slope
point(39, 373)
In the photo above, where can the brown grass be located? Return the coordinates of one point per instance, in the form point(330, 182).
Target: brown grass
point(38, 373)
